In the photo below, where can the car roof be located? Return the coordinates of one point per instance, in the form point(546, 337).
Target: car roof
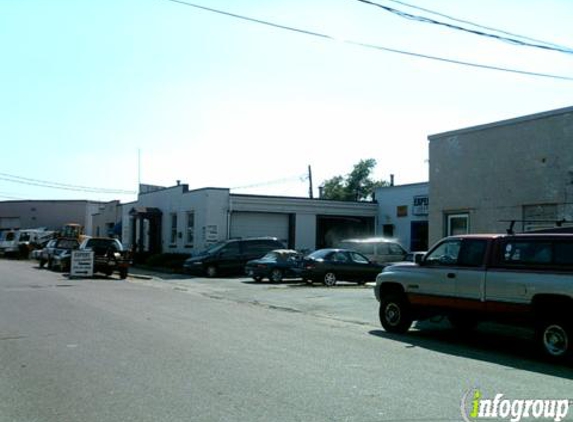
point(370, 240)
point(514, 236)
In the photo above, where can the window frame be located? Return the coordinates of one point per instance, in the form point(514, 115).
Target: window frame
point(173, 231)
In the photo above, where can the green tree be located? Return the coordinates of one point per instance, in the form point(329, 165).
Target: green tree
point(355, 186)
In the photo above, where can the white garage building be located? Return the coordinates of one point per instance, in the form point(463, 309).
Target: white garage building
point(180, 220)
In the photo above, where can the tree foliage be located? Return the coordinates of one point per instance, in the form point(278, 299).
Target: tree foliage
point(355, 186)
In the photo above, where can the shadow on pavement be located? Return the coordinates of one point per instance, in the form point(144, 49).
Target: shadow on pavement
point(501, 345)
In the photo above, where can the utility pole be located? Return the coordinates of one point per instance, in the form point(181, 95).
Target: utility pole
point(310, 195)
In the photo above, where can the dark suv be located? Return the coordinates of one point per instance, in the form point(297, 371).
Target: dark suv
point(230, 256)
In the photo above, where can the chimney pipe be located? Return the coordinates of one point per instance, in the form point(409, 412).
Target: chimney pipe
point(391, 180)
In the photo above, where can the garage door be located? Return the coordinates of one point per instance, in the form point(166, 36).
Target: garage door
point(9, 222)
point(254, 224)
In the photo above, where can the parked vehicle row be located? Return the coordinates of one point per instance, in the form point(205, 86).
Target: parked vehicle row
point(267, 258)
point(109, 254)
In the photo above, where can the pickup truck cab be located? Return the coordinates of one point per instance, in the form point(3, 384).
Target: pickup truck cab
point(521, 278)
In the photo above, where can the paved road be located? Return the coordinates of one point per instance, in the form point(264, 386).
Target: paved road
point(178, 349)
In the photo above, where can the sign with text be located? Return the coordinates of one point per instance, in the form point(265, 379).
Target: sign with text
point(82, 264)
point(421, 204)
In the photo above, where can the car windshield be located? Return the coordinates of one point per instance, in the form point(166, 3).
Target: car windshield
point(103, 244)
point(320, 254)
point(214, 248)
point(271, 256)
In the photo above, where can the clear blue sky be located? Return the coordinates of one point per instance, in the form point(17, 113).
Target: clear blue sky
point(215, 101)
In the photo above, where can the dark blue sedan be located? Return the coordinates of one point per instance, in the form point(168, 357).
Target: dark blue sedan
point(275, 265)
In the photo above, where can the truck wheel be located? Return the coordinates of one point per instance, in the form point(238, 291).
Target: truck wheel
point(555, 338)
point(123, 273)
point(329, 279)
point(395, 315)
point(211, 271)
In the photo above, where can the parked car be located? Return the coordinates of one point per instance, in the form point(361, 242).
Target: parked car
point(58, 256)
point(275, 265)
point(331, 265)
point(230, 256)
point(376, 249)
point(42, 255)
point(109, 255)
point(514, 279)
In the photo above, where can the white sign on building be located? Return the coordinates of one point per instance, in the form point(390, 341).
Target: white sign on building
point(82, 264)
point(421, 205)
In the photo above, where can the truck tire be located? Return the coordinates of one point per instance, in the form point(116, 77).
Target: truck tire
point(395, 314)
point(123, 273)
point(555, 337)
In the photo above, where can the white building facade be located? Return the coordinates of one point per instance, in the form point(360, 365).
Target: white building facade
point(403, 214)
point(180, 220)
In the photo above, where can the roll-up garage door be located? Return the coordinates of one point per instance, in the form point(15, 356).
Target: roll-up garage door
point(9, 222)
point(254, 224)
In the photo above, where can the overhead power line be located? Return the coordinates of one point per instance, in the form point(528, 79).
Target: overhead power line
point(64, 186)
point(477, 25)
point(376, 47)
point(514, 41)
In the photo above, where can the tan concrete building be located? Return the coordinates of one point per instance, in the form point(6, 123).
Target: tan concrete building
point(517, 169)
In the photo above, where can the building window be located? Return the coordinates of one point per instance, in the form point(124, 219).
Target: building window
point(173, 238)
point(190, 229)
point(402, 211)
point(457, 224)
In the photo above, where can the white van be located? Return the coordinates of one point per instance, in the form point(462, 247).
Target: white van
point(377, 249)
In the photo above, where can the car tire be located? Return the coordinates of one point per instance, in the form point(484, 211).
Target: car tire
point(395, 314)
point(329, 279)
point(123, 273)
point(211, 271)
point(276, 275)
point(555, 337)
point(42, 263)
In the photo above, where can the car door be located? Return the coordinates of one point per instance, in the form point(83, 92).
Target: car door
point(433, 283)
point(470, 274)
point(229, 257)
point(339, 263)
point(362, 268)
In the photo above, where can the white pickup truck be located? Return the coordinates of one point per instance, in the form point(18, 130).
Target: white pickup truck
point(521, 279)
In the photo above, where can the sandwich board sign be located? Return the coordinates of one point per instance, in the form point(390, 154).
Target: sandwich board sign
point(82, 264)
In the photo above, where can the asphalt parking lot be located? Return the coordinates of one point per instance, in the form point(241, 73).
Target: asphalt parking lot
point(347, 302)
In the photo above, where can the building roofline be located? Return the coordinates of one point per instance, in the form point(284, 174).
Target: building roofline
point(407, 185)
point(300, 198)
point(506, 122)
point(85, 201)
